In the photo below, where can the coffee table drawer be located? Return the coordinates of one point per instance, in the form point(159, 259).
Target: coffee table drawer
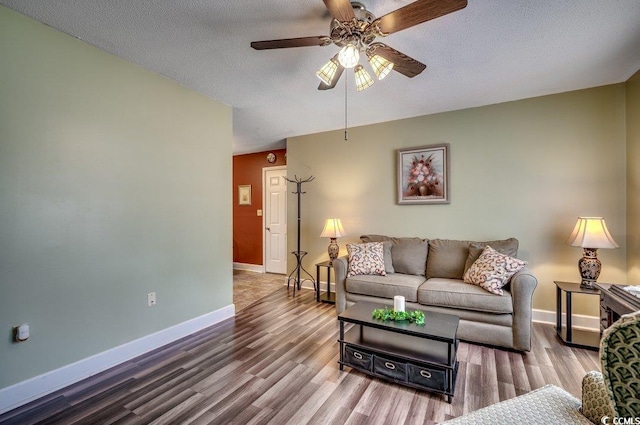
point(427, 377)
point(358, 358)
point(390, 368)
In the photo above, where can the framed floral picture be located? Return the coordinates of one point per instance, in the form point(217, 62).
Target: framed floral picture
point(423, 175)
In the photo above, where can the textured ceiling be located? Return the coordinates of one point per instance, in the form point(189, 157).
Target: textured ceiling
point(492, 51)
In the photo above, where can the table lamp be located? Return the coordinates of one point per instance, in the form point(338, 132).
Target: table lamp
point(333, 229)
point(590, 233)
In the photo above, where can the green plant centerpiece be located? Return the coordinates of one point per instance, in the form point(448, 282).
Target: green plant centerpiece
point(415, 316)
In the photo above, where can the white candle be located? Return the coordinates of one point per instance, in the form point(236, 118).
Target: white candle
point(398, 303)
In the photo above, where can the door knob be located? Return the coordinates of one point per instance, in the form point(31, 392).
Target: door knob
point(268, 228)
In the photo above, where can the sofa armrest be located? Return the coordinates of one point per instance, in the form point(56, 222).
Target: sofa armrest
point(595, 398)
point(522, 286)
point(340, 267)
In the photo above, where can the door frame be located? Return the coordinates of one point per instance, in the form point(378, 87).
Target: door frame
point(264, 208)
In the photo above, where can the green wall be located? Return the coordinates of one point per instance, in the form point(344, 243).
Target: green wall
point(633, 179)
point(114, 182)
point(525, 169)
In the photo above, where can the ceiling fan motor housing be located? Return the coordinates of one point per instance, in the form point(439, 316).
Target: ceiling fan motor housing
point(358, 31)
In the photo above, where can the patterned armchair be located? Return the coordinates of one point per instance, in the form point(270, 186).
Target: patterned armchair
point(613, 393)
point(620, 357)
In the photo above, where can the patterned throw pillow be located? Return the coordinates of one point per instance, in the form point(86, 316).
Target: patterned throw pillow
point(492, 270)
point(366, 258)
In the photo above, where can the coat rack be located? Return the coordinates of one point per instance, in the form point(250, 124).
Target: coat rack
point(299, 254)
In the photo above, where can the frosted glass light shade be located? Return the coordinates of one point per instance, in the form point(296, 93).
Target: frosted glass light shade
point(363, 79)
point(328, 72)
point(349, 56)
point(333, 229)
point(380, 66)
point(591, 232)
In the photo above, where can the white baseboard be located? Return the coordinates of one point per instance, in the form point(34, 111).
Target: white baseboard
point(578, 321)
point(23, 392)
point(249, 267)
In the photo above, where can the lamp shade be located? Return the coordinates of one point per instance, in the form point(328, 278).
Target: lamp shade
point(333, 229)
point(363, 79)
point(380, 66)
point(591, 232)
point(328, 72)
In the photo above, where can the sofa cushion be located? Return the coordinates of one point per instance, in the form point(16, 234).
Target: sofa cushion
point(507, 246)
point(366, 258)
point(386, 286)
point(388, 261)
point(454, 293)
point(493, 270)
point(410, 257)
point(447, 258)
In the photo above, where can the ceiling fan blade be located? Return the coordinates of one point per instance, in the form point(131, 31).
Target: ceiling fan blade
point(340, 9)
point(416, 13)
point(324, 86)
point(401, 63)
point(320, 40)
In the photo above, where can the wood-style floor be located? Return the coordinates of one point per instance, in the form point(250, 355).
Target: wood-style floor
point(276, 363)
point(249, 287)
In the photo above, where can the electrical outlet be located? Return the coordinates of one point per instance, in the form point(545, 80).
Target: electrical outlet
point(21, 333)
point(151, 299)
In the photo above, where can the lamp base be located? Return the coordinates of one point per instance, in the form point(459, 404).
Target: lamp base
point(588, 284)
point(589, 267)
point(333, 250)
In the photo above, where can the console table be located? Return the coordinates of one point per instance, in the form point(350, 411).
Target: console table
point(614, 302)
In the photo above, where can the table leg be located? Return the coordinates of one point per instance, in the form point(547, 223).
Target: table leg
point(328, 284)
point(317, 284)
point(558, 310)
point(341, 345)
point(569, 336)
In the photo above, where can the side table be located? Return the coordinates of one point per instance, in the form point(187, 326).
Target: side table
point(573, 337)
point(328, 297)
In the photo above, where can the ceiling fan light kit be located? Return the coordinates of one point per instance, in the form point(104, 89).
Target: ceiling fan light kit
point(354, 29)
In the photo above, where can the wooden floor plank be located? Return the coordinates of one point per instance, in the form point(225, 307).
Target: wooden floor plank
point(275, 362)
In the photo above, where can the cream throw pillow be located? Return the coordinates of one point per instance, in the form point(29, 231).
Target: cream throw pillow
point(366, 258)
point(492, 270)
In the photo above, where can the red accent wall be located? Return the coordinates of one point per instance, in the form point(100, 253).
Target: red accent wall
point(247, 225)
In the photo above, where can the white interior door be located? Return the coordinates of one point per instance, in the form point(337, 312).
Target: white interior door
point(275, 220)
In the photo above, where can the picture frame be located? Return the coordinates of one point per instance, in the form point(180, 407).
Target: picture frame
point(244, 194)
point(423, 175)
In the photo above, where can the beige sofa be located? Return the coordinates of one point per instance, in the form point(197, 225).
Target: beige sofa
point(428, 273)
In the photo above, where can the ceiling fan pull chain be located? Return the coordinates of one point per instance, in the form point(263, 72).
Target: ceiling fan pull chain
point(346, 136)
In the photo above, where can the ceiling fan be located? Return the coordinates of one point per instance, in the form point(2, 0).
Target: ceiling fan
point(354, 29)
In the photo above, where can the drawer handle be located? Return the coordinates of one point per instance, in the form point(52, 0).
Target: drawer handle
point(389, 365)
point(425, 374)
point(357, 355)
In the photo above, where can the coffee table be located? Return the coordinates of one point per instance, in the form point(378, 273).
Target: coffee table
point(418, 356)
